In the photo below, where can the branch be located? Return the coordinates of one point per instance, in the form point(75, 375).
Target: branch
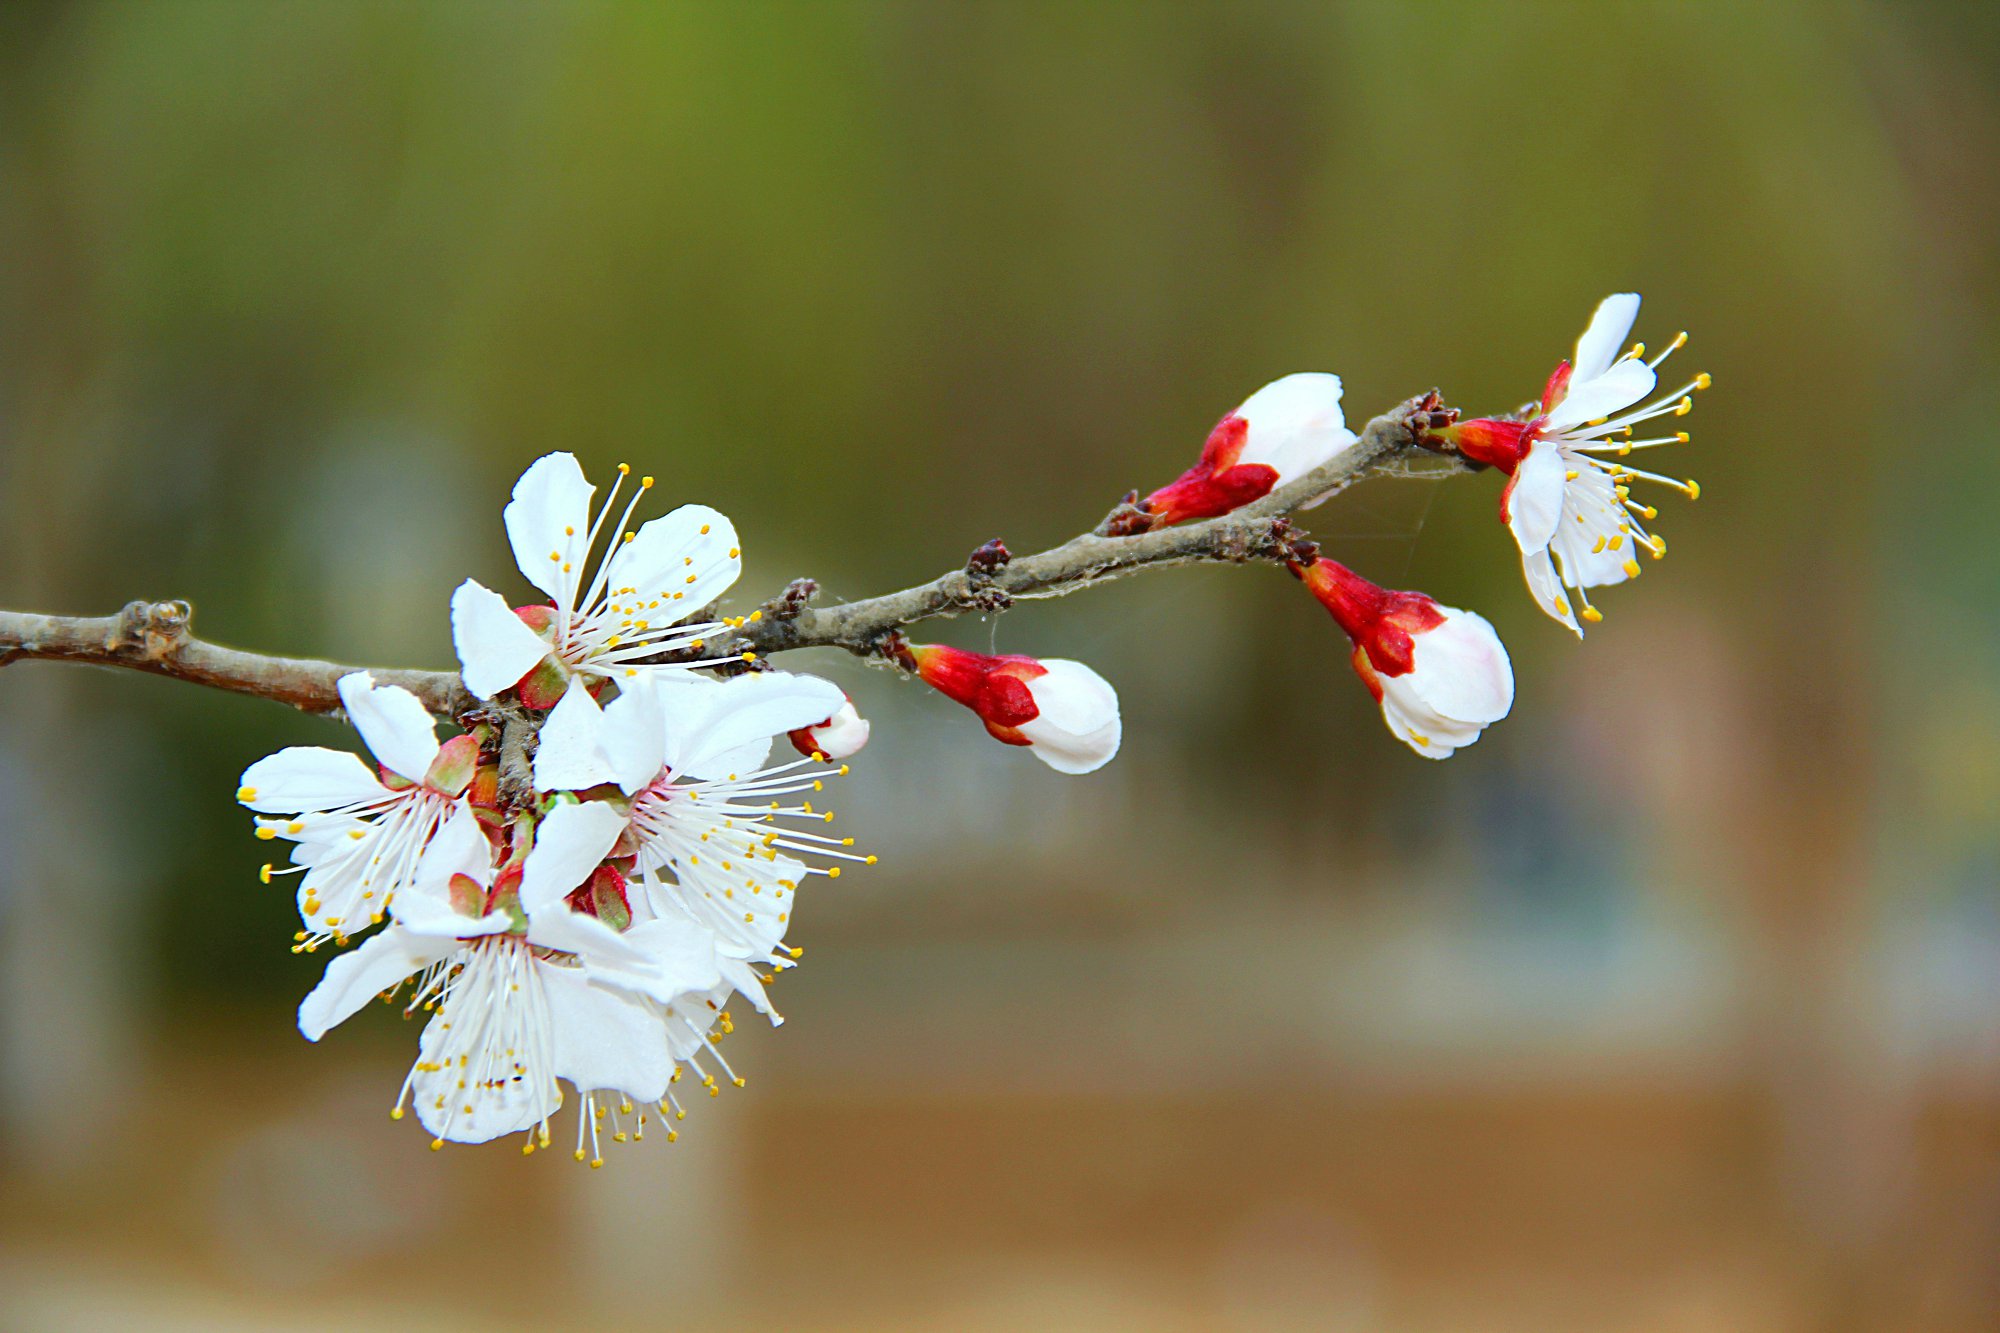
point(991, 582)
point(155, 636)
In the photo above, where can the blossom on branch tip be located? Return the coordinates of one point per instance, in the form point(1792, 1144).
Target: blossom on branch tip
point(1064, 711)
point(603, 624)
point(839, 737)
point(1282, 431)
point(358, 836)
point(1570, 510)
point(1440, 674)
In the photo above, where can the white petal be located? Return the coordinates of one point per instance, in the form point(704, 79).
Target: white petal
point(356, 977)
point(748, 710)
point(1429, 735)
point(308, 778)
point(421, 912)
point(495, 649)
point(550, 516)
point(457, 848)
point(1540, 573)
point(743, 978)
point(557, 927)
point(570, 842)
point(1078, 729)
point(689, 557)
point(398, 729)
point(507, 1105)
point(1461, 670)
point(1295, 424)
point(1605, 338)
point(571, 755)
point(605, 1040)
point(842, 735)
point(635, 736)
point(1535, 495)
point(1613, 391)
point(679, 956)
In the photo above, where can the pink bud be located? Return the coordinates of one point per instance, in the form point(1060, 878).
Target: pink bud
point(1063, 710)
point(1282, 431)
point(838, 737)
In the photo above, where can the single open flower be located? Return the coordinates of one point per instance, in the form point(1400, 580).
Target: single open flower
point(1065, 712)
point(359, 835)
point(839, 737)
point(1441, 674)
point(601, 624)
point(1282, 431)
point(711, 836)
point(1570, 510)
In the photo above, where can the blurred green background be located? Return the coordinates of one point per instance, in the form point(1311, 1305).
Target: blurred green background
point(1673, 1004)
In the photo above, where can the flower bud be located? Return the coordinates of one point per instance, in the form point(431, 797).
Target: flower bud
point(1064, 711)
point(1282, 431)
point(1441, 674)
point(838, 737)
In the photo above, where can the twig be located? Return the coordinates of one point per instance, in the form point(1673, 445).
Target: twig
point(155, 636)
point(1255, 531)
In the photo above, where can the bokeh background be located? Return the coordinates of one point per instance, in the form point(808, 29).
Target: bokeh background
point(1674, 1004)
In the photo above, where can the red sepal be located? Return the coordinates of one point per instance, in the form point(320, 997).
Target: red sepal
point(1382, 624)
point(1500, 444)
point(1217, 484)
point(1556, 389)
point(995, 686)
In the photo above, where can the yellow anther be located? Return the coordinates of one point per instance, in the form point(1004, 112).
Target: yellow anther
point(1694, 489)
point(833, 872)
point(645, 483)
point(438, 1144)
point(624, 469)
point(1683, 407)
point(246, 793)
point(568, 530)
point(1631, 569)
point(756, 616)
point(749, 657)
point(870, 860)
point(735, 551)
point(266, 833)
point(1592, 614)
point(264, 872)
point(704, 529)
point(1682, 436)
point(1702, 381)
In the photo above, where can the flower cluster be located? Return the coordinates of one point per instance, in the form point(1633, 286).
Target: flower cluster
point(576, 887)
point(1441, 675)
point(588, 917)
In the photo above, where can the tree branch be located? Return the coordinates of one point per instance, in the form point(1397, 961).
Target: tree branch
point(155, 636)
point(1256, 531)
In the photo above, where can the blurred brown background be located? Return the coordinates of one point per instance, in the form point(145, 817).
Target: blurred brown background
point(1672, 1005)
